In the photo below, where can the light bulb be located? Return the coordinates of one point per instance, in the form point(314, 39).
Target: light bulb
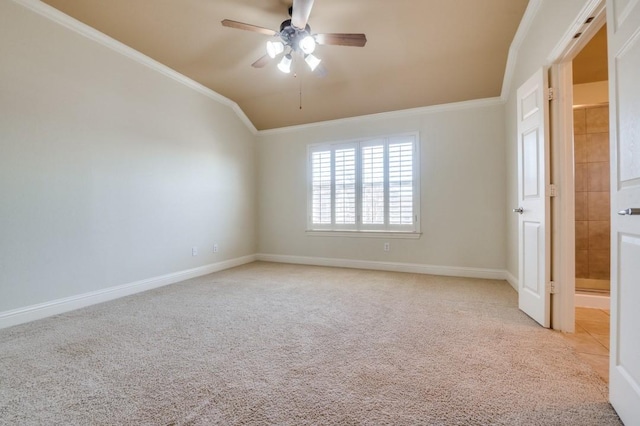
point(312, 61)
point(274, 48)
point(285, 64)
point(307, 44)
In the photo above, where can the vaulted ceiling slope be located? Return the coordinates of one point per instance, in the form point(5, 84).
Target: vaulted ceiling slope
point(419, 52)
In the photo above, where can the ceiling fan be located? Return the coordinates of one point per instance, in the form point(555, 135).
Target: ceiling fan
point(295, 37)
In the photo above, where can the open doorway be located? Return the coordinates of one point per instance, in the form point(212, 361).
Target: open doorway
point(590, 184)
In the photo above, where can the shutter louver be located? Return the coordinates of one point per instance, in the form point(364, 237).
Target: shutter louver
point(401, 184)
point(321, 187)
point(373, 185)
point(345, 186)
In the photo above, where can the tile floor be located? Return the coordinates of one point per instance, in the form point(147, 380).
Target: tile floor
point(591, 339)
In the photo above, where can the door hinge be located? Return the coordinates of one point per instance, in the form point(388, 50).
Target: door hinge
point(552, 190)
point(550, 94)
point(553, 289)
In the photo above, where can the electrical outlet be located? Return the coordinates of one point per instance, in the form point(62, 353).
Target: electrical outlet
point(386, 247)
point(194, 251)
point(215, 248)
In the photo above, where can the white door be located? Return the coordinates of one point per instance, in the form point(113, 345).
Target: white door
point(533, 204)
point(623, 26)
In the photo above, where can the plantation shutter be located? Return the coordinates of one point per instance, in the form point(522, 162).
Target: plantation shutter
point(345, 186)
point(373, 183)
point(401, 183)
point(321, 205)
point(369, 185)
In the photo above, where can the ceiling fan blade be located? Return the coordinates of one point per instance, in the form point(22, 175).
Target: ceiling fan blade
point(300, 13)
point(242, 26)
point(261, 62)
point(356, 40)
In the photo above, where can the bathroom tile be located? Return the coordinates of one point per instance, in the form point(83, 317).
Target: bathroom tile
point(597, 119)
point(582, 263)
point(580, 148)
point(599, 363)
point(598, 177)
point(582, 177)
point(599, 235)
point(579, 121)
point(599, 264)
point(582, 206)
point(592, 284)
point(597, 147)
point(598, 206)
point(582, 235)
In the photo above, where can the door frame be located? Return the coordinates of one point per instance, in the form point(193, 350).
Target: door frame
point(562, 164)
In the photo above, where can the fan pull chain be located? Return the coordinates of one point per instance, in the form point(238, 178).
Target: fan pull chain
point(299, 91)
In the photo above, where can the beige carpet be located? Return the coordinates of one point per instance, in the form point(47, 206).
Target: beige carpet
point(296, 345)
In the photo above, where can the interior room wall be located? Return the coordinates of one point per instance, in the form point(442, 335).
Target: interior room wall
point(550, 23)
point(591, 93)
point(462, 189)
point(110, 172)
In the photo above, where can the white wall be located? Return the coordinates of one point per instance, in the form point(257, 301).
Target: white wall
point(462, 189)
point(547, 29)
point(109, 171)
point(591, 93)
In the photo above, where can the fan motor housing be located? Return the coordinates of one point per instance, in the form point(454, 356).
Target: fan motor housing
point(291, 36)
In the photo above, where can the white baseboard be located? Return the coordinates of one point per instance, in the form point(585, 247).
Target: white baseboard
point(454, 271)
point(60, 306)
point(596, 301)
point(511, 280)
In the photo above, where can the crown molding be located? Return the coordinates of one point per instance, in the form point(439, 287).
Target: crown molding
point(521, 33)
point(433, 109)
point(91, 33)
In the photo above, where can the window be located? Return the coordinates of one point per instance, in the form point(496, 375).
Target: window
point(367, 185)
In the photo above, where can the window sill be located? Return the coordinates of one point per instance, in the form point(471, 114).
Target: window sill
point(363, 234)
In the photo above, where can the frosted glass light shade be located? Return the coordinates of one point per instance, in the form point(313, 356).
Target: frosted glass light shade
point(274, 48)
point(285, 64)
point(312, 61)
point(307, 44)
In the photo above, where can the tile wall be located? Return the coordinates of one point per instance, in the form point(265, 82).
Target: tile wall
point(591, 139)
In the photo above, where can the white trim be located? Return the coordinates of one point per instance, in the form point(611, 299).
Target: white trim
point(568, 46)
point(433, 109)
point(597, 301)
point(363, 234)
point(563, 314)
point(564, 255)
point(452, 271)
point(74, 25)
point(60, 306)
point(511, 279)
point(521, 33)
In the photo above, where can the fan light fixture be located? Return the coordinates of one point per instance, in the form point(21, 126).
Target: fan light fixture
point(285, 64)
point(312, 61)
point(296, 38)
point(307, 44)
point(274, 48)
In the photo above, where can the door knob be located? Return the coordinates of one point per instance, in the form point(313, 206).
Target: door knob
point(518, 210)
point(629, 212)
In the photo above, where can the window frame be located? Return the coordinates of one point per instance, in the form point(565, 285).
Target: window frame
point(359, 229)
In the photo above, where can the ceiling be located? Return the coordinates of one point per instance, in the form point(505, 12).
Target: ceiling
point(419, 52)
point(591, 64)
